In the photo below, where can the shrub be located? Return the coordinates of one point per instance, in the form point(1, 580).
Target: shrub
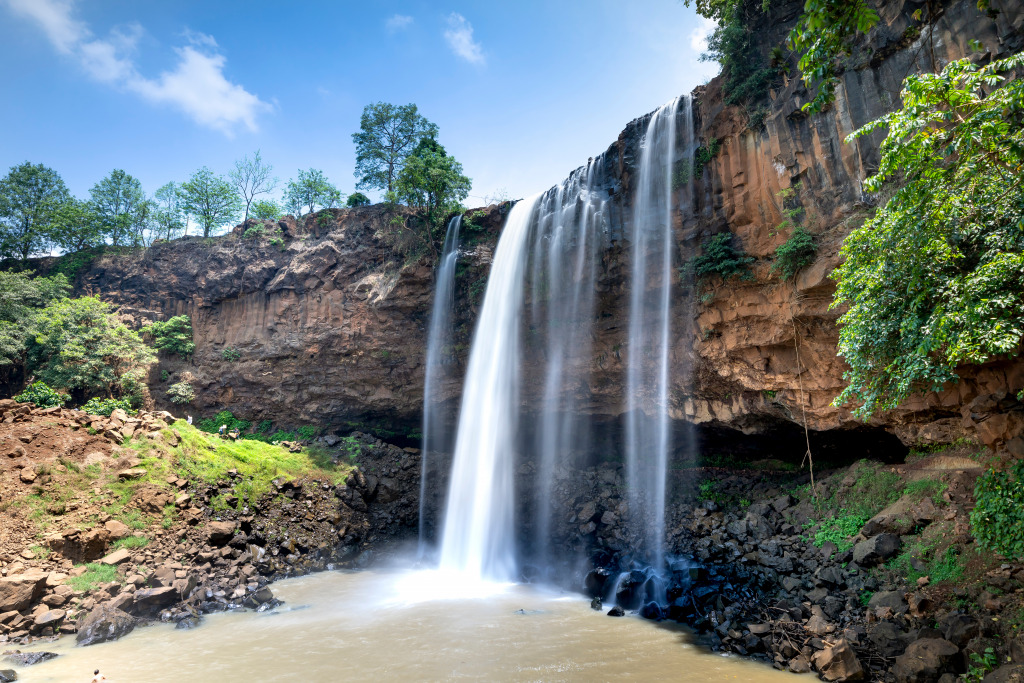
point(721, 258)
point(838, 530)
point(357, 199)
point(308, 432)
point(998, 516)
point(264, 426)
point(105, 406)
point(253, 232)
point(181, 393)
point(224, 417)
point(794, 254)
point(41, 395)
point(230, 354)
point(174, 335)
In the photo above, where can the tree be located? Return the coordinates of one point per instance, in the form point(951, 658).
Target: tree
point(266, 209)
point(432, 181)
point(173, 335)
point(168, 218)
point(210, 199)
point(309, 191)
point(122, 206)
point(28, 195)
point(250, 178)
point(357, 199)
point(75, 225)
point(387, 135)
point(78, 344)
point(21, 297)
point(933, 280)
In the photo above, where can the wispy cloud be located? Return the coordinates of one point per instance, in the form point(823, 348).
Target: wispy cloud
point(196, 85)
point(398, 22)
point(699, 36)
point(459, 36)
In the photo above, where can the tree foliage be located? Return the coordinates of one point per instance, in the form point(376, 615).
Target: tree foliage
point(251, 177)
point(122, 207)
point(357, 199)
point(21, 297)
point(75, 225)
point(432, 181)
point(210, 199)
point(997, 520)
point(41, 395)
point(266, 209)
point(168, 216)
point(387, 135)
point(78, 344)
point(29, 193)
point(822, 34)
point(795, 254)
point(933, 280)
point(720, 256)
point(309, 191)
point(173, 335)
point(735, 44)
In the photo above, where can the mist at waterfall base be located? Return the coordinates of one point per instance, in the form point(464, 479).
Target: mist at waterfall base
point(541, 299)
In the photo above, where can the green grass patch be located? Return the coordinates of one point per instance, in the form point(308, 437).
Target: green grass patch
point(838, 530)
point(95, 575)
point(926, 488)
point(208, 458)
point(946, 565)
point(131, 542)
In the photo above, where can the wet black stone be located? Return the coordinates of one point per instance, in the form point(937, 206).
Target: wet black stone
point(616, 612)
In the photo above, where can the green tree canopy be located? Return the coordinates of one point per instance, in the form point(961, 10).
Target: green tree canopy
point(311, 190)
point(29, 193)
point(210, 199)
point(173, 335)
point(21, 297)
point(251, 177)
point(168, 216)
point(933, 280)
point(122, 206)
point(432, 181)
point(75, 225)
point(387, 135)
point(78, 344)
point(266, 209)
point(357, 199)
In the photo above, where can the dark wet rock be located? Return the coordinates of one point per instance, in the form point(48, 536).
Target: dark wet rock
point(616, 612)
point(959, 629)
point(924, 661)
point(29, 658)
point(152, 600)
point(188, 623)
point(595, 604)
point(891, 599)
point(652, 611)
point(877, 549)
point(8, 676)
point(104, 624)
point(596, 582)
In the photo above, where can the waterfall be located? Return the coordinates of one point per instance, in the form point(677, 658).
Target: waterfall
point(548, 257)
point(439, 340)
point(478, 536)
point(647, 377)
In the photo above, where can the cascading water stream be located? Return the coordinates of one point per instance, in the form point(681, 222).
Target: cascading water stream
point(549, 254)
point(478, 540)
point(439, 339)
point(647, 377)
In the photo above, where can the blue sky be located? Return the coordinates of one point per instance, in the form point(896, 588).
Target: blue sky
point(523, 91)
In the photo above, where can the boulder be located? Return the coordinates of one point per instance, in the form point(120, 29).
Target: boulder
point(29, 658)
point(1010, 673)
point(117, 530)
point(51, 618)
point(616, 612)
point(116, 557)
point(21, 590)
point(924, 661)
point(891, 599)
point(81, 546)
point(959, 629)
point(838, 663)
point(131, 474)
point(8, 676)
point(219, 533)
point(877, 549)
point(152, 600)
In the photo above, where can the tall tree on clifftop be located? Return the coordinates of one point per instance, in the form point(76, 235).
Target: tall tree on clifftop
point(29, 193)
point(210, 199)
point(387, 135)
point(122, 207)
point(250, 178)
point(310, 190)
point(432, 181)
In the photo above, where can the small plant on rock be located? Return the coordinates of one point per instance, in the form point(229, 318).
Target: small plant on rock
point(181, 393)
point(722, 258)
point(794, 254)
point(230, 354)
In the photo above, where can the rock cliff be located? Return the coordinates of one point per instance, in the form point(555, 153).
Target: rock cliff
point(330, 323)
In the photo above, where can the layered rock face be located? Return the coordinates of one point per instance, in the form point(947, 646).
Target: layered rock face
point(330, 323)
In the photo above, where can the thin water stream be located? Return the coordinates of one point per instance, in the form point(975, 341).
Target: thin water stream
point(379, 626)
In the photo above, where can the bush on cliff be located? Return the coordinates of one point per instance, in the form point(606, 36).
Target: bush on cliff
point(720, 256)
point(41, 395)
point(997, 519)
point(932, 281)
point(173, 335)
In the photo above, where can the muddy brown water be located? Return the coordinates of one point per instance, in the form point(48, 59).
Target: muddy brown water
point(401, 626)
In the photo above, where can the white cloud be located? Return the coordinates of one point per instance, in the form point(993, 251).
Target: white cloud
point(398, 22)
point(699, 35)
point(459, 36)
point(196, 85)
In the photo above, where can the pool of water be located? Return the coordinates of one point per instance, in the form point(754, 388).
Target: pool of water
point(403, 626)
